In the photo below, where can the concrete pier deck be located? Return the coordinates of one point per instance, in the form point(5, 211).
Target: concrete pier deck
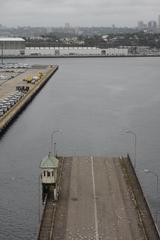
point(101, 199)
point(9, 86)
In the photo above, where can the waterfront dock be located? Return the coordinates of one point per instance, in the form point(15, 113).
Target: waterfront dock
point(100, 199)
point(15, 78)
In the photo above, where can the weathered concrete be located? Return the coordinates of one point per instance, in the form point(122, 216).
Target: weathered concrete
point(98, 202)
point(140, 202)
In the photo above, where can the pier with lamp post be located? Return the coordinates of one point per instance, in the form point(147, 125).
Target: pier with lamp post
point(99, 198)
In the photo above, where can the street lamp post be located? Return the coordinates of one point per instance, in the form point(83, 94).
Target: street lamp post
point(157, 187)
point(135, 145)
point(52, 134)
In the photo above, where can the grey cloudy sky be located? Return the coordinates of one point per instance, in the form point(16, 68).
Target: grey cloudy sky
point(77, 13)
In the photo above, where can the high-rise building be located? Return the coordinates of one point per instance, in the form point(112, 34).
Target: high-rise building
point(141, 25)
point(159, 23)
point(67, 25)
point(152, 26)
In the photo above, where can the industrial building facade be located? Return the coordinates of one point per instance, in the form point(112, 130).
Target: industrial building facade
point(75, 51)
point(12, 46)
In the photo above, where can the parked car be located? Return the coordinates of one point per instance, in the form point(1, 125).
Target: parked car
point(1, 112)
point(15, 99)
point(3, 107)
point(8, 105)
point(19, 93)
point(8, 101)
point(12, 102)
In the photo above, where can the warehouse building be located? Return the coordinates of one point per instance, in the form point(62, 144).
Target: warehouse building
point(12, 46)
point(76, 51)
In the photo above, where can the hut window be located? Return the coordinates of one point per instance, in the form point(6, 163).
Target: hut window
point(48, 174)
point(44, 173)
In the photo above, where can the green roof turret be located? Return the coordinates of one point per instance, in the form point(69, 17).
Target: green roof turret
point(50, 161)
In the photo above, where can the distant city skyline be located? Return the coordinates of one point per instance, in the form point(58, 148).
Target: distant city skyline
point(151, 25)
point(89, 13)
point(69, 25)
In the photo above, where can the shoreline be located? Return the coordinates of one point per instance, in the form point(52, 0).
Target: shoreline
point(80, 56)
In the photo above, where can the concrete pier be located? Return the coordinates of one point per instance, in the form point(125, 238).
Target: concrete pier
point(100, 199)
point(9, 86)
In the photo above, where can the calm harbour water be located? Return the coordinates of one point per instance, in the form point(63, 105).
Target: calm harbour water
point(93, 101)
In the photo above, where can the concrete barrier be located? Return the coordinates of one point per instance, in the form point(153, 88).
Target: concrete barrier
point(142, 207)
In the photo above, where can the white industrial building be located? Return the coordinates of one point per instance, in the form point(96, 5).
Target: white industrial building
point(65, 51)
point(12, 46)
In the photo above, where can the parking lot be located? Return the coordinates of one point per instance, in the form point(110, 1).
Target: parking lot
point(15, 81)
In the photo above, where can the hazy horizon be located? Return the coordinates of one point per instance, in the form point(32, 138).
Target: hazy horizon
point(121, 13)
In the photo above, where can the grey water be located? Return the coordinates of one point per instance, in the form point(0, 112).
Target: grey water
point(93, 102)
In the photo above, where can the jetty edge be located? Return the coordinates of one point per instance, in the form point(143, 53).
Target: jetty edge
point(100, 198)
point(12, 114)
point(149, 226)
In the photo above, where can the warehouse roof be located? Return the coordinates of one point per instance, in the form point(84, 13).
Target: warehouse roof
point(11, 39)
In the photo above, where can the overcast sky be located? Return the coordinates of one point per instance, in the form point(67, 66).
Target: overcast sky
point(77, 13)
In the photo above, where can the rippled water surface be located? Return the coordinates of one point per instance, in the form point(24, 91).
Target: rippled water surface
point(93, 102)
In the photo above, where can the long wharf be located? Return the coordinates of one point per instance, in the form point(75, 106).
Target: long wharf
point(100, 199)
point(33, 79)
